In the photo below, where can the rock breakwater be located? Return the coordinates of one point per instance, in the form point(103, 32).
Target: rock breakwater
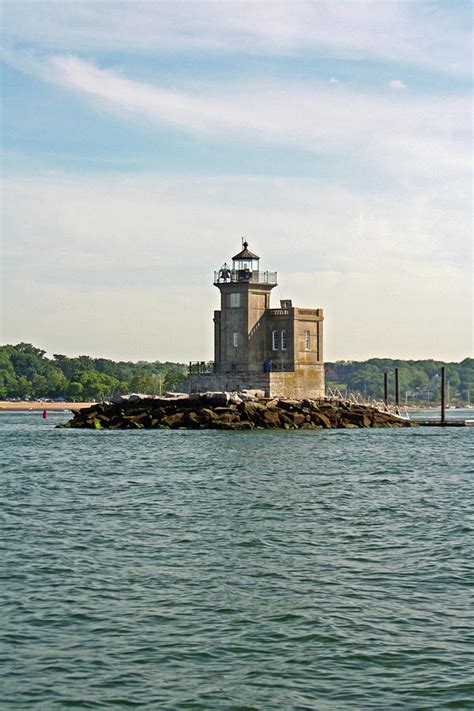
point(225, 411)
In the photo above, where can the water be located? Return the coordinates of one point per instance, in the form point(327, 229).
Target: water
point(455, 413)
point(235, 570)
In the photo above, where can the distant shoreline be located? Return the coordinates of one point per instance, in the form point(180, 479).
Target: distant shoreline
point(25, 405)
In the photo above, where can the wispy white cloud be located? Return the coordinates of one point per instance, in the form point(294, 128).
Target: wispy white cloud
point(397, 84)
point(384, 128)
point(405, 32)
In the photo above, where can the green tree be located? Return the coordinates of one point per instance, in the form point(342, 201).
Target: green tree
point(65, 364)
point(74, 390)
point(24, 388)
point(57, 383)
point(7, 373)
point(40, 386)
point(96, 386)
point(176, 380)
point(147, 383)
point(466, 375)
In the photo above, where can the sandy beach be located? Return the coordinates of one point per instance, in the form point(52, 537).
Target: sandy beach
point(39, 405)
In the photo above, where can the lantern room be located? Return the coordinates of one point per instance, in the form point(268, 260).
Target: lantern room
point(245, 269)
point(246, 260)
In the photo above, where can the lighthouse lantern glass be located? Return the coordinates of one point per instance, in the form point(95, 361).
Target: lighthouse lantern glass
point(250, 264)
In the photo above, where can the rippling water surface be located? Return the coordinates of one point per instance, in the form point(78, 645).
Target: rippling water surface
point(246, 570)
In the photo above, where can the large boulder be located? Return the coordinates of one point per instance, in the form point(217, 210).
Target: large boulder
point(252, 409)
point(192, 420)
point(271, 418)
point(175, 420)
point(251, 394)
point(215, 399)
point(206, 415)
point(290, 405)
point(320, 420)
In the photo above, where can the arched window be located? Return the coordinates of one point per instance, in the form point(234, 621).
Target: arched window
point(275, 339)
point(284, 340)
point(235, 339)
point(307, 340)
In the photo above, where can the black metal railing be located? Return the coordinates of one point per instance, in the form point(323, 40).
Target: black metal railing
point(201, 367)
point(235, 276)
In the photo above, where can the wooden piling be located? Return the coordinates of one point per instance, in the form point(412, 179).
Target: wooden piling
point(397, 388)
point(443, 395)
point(385, 389)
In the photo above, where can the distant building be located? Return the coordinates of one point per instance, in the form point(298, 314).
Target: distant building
point(257, 347)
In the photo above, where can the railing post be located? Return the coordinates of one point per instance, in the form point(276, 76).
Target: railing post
point(397, 388)
point(443, 395)
point(385, 389)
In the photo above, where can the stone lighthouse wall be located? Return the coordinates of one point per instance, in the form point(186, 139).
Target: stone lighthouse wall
point(303, 382)
point(300, 383)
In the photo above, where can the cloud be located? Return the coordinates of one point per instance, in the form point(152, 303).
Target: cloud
point(397, 84)
point(393, 31)
point(375, 129)
point(122, 266)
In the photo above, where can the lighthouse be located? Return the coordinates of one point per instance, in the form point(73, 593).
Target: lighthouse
point(245, 298)
point(278, 350)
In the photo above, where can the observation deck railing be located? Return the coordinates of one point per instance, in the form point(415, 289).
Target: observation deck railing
point(236, 276)
point(202, 367)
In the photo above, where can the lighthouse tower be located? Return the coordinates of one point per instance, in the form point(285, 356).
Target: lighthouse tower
point(245, 298)
point(277, 350)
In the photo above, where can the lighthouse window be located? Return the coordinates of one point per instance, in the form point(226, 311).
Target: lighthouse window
point(275, 340)
point(235, 339)
point(307, 340)
point(284, 340)
point(234, 300)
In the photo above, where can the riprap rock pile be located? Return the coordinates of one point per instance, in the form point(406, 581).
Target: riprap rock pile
point(227, 411)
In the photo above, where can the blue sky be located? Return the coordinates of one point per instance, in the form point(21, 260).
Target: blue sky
point(141, 140)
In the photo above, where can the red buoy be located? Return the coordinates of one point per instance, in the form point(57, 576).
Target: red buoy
point(45, 414)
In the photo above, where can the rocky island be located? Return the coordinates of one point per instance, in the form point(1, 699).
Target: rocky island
point(230, 411)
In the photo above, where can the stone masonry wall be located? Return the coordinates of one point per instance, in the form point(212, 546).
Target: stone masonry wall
point(304, 382)
point(229, 382)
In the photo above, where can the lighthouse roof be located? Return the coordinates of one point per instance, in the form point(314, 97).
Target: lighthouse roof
point(246, 253)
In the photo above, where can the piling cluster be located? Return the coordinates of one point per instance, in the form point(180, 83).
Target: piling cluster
point(227, 411)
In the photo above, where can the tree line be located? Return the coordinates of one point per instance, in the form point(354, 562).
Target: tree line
point(419, 380)
point(26, 373)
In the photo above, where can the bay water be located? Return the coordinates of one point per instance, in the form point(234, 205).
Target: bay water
point(235, 570)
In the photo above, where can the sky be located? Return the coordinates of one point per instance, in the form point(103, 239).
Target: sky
point(141, 140)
